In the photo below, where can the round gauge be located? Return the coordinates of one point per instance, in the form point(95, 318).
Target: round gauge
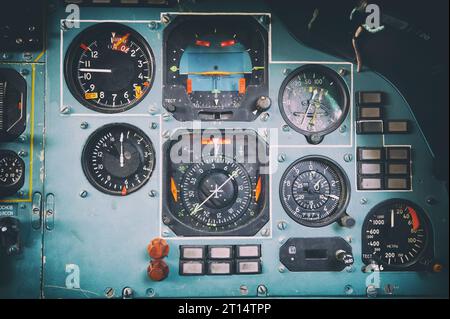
point(118, 159)
point(222, 192)
point(216, 192)
point(109, 68)
point(12, 173)
point(314, 101)
point(314, 191)
point(395, 234)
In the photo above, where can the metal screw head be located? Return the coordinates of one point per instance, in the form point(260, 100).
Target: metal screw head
point(166, 117)
point(281, 269)
point(285, 128)
point(348, 158)
point(265, 232)
point(343, 129)
point(243, 290)
point(84, 125)
point(83, 194)
point(165, 19)
point(27, 56)
point(282, 225)
point(5, 56)
point(22, 138)
point(166, 233)
point(262, 290)
point(19, 41)
point(389, 289)
point(152, 193)
point(287, 71)
point(166, 134)
point(20, 194)
point(343, 72)
point(364, 201)
point(371, 291)
point(109, 292)
point(282, 158)
point(24, 72)
point(154, 126)
point(431, 201)
point(127, 293)
point(265, 117)
point(153, 25)
point(65, 110)
point(348, 289)
point(23, 153)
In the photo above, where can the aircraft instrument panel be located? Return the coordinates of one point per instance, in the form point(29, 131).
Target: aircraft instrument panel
point(199, 149)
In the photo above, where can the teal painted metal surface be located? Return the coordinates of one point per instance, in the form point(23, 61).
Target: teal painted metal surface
point(101, 240)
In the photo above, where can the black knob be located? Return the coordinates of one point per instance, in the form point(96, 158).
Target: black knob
point(345, 257)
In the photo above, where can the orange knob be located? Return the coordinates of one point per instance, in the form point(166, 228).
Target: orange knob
point(158, 248)
point(157, 270)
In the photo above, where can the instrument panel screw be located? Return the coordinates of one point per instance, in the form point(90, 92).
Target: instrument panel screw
point(243, 290)
point(348, 158)
point(265, 232)
point(342, 72)
point(150, 292)
point(348, 289)
point(153, 25)
point(127, 293)
point(262, 290)
point(84, 125)
point(343, 129)
point(431, 201)
point(287, 71)
point(165, 233)
point(282, 158)
point(282, 225)
point(5, 56)
point(109, 292)
point(23, 153)
point(166, 117)
point(65, 110)
point(153, 193)
point(371, 291)
point(364, 201)
point(281, 269)
point(389, 289)
point(22, 138)
point(166, 134)
point(27, 56)
point(24, 72)
point(20, 194)
point(286, 128)
point(165, 19)
point(83, 194)
point(154, 126)
point(265, 117)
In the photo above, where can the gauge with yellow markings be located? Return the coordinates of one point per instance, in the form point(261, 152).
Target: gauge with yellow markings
point(109, 68)
point(314, 101)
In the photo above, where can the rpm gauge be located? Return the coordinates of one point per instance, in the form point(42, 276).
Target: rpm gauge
point(118, 159)
point(109, 68)
point(314, 101)
point(12, 173)
point(314, 191)
point(396, 235)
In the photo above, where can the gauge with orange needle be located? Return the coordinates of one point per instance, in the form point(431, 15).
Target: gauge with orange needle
point(109, 68)
point(118, 159)
point(396, 234)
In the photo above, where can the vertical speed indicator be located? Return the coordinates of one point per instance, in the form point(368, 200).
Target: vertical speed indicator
point(109, 68)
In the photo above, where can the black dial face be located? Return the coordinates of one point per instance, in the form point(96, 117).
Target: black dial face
point(215, 67)
point(314, 100)
point(109, 68)
point(118, 159)
point(12, 173)
point(314, 191)
point(216, 195)
point(395, 234)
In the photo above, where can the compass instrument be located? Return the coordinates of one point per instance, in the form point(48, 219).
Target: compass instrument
point(109, 68)
point(221, 193)
point(118, 159)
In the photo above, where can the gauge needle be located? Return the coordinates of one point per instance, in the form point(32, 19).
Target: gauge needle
point(333, 196)
point(309, 106)
point(198, 208)
point(392, 219)
point(122, 159)
point(96, 70)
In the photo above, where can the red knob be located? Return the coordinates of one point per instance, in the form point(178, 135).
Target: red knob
point(158, 270)
point(158, 248)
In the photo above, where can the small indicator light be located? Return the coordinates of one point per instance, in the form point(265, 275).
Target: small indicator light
point(201, 43)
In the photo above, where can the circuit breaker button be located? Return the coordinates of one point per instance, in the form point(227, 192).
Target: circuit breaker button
point(370, 98)
point(192, 268)
point(248, 251)
point(158, 270)
point(220, 267)
point(192, 252)
point(248, 267)
point(158, 248)
point(220, 252)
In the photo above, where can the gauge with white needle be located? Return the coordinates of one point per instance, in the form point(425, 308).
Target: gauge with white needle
point(314, 191)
